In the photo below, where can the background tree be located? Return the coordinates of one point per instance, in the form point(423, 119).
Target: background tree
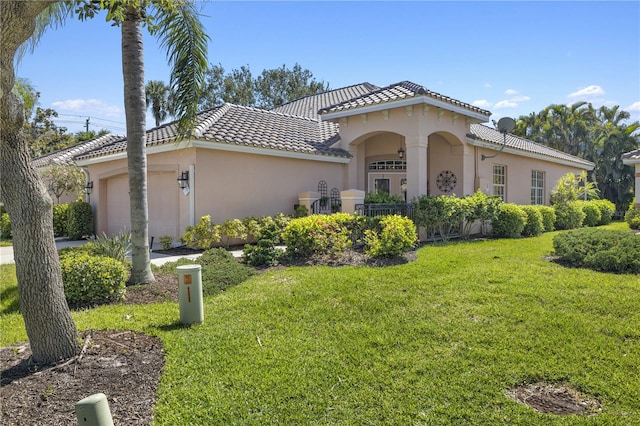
point(50, 328)
point(44, 136)
point(64, 178)
point(269, 90)
point(157, 98)
point(598, 135)
point(91, 134)
point(280, 85)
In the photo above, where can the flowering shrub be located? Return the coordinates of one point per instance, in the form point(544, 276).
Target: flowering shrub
point(397, 236)
point(203, 235)
point(90, 279)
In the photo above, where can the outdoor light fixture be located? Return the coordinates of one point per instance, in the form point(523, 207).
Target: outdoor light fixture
point(183, 180)
point(88, 188)
point(401, 153)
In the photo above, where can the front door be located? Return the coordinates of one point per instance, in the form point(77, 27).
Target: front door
point(389, 183)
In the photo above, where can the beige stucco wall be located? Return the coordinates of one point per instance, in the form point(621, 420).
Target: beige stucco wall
point(224, 185)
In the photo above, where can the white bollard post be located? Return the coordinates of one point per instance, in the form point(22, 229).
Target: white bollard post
point(190, 294)
point(94, 411)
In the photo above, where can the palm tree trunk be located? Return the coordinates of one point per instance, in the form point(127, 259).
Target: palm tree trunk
point(135, 108)
point(50, 328)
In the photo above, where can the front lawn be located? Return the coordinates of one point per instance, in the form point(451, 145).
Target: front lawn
point(438, 341)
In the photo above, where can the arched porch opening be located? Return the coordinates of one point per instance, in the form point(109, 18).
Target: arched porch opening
point(445, 164)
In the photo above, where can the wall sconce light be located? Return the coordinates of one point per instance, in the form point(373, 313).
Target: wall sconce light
point(88, 188)
point(401, 153)
point(183, 180)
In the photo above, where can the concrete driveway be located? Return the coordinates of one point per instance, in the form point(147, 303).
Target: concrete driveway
point(6, 253)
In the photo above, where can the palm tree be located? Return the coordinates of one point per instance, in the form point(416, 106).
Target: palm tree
point(182, 34)
point(157, 97)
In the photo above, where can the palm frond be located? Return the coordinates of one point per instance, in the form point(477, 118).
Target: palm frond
point(54, 16)
point(182, 34)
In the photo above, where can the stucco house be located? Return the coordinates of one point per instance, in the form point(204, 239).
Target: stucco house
point(632, 158)
point(402, 139)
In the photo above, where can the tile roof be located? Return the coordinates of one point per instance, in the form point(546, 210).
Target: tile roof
point(67, 155)
point(480, 131)
point(250, 127)
point(633, 156)
point(395, 92)
point(310, 105)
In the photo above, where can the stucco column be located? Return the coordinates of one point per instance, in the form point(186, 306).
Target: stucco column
point(350, 198)
point(416, 167)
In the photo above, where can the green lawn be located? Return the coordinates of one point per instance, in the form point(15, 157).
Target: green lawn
point(437, 341)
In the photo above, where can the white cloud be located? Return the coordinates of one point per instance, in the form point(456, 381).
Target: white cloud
point(505, 104)
point(592, 91)
point(487, 85)
point(635, 107)
point(510, 92)
point(481, 103)
point(520, 99)
point(87, 106)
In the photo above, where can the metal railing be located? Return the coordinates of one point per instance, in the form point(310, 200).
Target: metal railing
point(375, 209)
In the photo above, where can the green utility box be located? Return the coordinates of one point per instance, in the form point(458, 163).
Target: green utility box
point(94, 411)
point(190, 294)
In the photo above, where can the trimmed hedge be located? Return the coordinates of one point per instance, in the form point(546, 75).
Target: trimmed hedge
point(510, 221)
point(632, 217)
point(397, 236)
point(319, 235)
point(569, 215)
point(592, 214)
point(91, 280)
point(5, 226)
point(607, 210)
point(80, 223)
point(600, 249)
point(548, 217)
point(534, 225)
point(220, 271)
point(60, 219)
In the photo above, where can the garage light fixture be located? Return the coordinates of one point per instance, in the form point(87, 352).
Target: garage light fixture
point(88, 188)
point(183, 180)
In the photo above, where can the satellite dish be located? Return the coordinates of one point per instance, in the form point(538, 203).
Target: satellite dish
point(506, 124)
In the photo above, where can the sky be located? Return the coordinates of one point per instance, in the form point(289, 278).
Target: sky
point(512, 58)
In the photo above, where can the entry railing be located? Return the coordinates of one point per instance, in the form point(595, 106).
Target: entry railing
point(380, 209)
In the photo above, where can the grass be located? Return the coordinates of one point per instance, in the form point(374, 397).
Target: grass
point(437, 341)
point(6, 243)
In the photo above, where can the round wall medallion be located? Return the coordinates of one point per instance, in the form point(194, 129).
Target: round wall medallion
point(446, 181)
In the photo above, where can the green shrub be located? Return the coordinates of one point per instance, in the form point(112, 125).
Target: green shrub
point(91, 280)
point(318, 235)
point(220, 271)
point(5, 226)
point(602, 249)
point(117, 247)
point(607, 210)
point(60, 219)
point(510, 221)
point(232, 229)
point(397, 236)
point(80, 220)
point(302, 211)
point(166, 241)
point(440, 215)
point(548, 217)
point(568, 215)
point(264, 252)
point(632, 217)
point(592, 214)
point(381, 197)
point(535, 224)
point(203, 235)
point(86, 248)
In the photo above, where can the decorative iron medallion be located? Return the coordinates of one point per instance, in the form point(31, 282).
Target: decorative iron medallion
point(446, 181)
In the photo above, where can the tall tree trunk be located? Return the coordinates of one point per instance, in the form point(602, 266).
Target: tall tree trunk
point(135, 109)
point(50, 328)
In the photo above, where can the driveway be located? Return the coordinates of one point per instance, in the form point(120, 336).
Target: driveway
point(6, 253)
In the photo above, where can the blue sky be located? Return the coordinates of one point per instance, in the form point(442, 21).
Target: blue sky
point(512, 58)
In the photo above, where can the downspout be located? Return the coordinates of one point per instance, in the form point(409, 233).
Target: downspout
point(192, 195)
point(85, 170)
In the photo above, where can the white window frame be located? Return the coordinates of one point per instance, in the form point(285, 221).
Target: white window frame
point(537, 187)
point(499, 181)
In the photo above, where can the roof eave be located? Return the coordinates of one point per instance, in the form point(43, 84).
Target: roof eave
point(414, 100)
point(481, 143)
